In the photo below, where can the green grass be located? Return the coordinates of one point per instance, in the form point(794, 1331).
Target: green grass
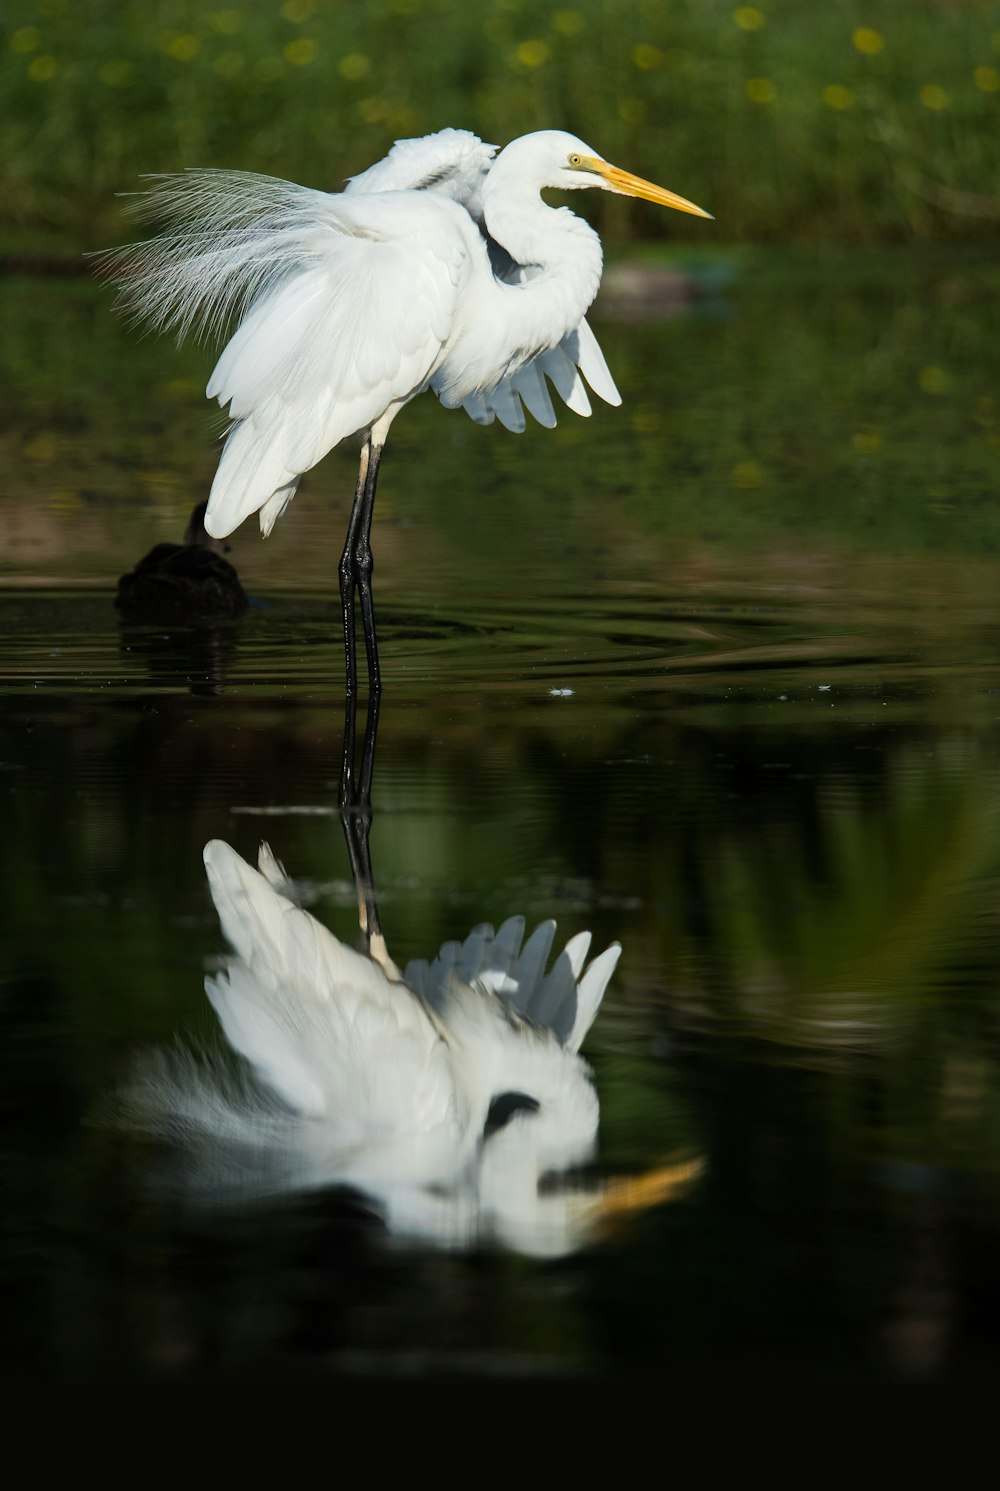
point(789, 120)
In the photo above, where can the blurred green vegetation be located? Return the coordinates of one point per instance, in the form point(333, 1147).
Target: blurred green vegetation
point(859, 120)
point(823, 406)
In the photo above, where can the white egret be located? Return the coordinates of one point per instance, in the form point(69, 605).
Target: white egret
point(438, 268)
point(444, 1093)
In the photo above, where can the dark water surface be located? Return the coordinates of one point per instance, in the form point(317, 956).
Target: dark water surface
point(716, 675)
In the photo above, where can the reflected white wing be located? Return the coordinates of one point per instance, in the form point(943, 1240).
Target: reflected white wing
point(319, 1023)
point(564, 1001)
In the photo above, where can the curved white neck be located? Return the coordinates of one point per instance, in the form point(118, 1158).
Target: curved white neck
point(563, 251)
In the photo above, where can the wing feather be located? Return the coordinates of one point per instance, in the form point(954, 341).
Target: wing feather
point(530, 385)
point(591, 362)
point(320, 1024)
point(343, 304)
point(565, 1001)
point(327, 351)
point(577, 354)
point(453, 162)
point(560, 368)
point(507, 407)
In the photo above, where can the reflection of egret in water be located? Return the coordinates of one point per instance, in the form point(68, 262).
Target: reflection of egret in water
point(175, 583)
point(445, 1093)
point(451, 1094)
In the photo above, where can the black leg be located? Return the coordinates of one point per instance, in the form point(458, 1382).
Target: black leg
point(356, 565)
point(365, 565)
point(347, 760)
point(346, 570)
point(356, 812)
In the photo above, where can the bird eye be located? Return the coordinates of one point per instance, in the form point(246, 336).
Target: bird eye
point(576, 160)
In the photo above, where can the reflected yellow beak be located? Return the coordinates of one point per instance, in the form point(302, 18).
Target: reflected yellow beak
point(634, 186)
point(638, 1193)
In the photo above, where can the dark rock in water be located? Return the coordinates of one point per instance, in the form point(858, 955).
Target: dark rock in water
point(183, 582)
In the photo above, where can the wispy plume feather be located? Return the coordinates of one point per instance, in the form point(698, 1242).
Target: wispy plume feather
point(232, 235)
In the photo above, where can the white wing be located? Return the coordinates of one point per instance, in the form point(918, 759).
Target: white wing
point(578, 353)
point(354, 329)
point(455, 163)
point(344, 304)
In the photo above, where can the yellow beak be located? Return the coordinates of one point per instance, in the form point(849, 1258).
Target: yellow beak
point(634, 186)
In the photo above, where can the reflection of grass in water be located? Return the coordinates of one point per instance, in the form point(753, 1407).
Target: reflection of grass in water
point(788, 118)
point(841, 925)
point(835, 919)
point(863, 943)
point(861, 939)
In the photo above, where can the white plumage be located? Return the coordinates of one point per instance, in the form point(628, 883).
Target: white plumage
point(444, 1093)
point(438, 268)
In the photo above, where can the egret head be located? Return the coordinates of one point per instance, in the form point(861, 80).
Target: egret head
point(564, 161)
